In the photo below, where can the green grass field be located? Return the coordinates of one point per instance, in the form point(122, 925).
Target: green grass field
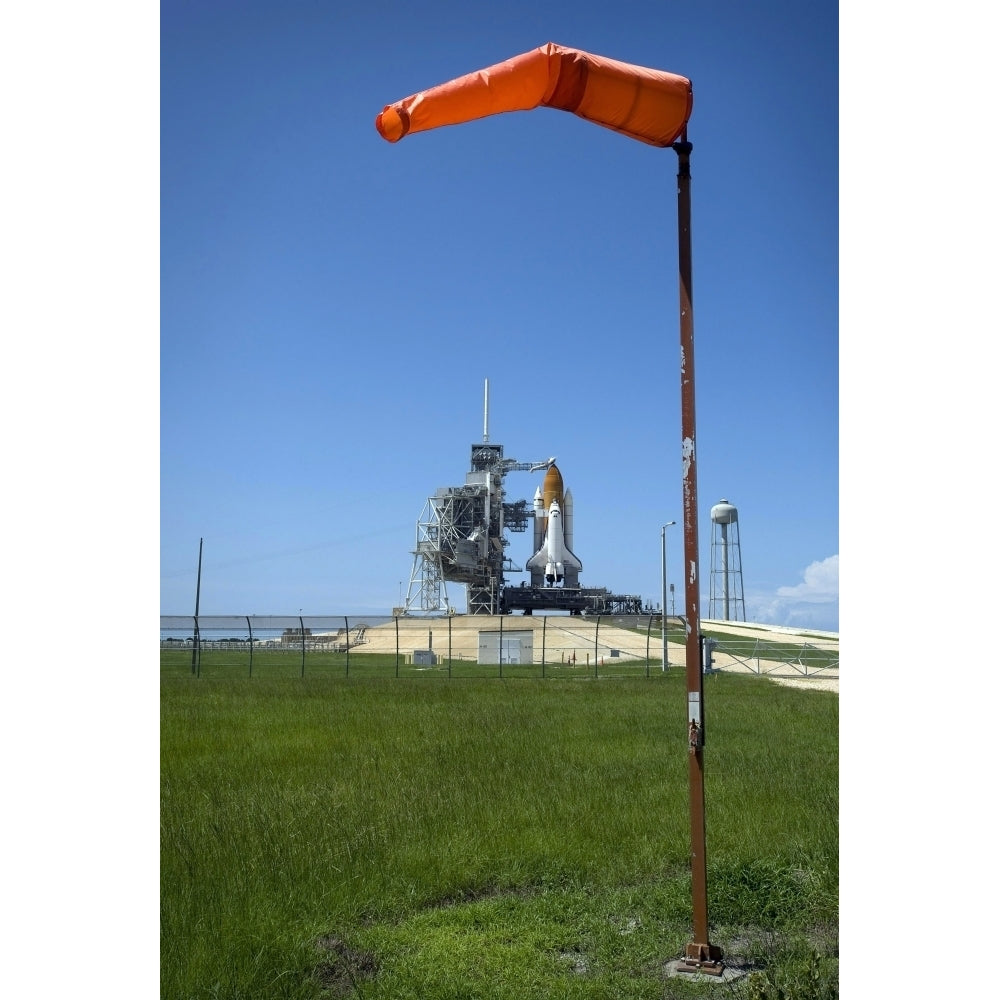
point(375, 836)
point(269, 663)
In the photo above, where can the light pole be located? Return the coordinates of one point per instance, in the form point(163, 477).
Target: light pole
point(663, 590)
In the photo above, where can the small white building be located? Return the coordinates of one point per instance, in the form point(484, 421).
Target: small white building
point(501, 646)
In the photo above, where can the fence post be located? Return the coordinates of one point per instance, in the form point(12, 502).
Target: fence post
point(597, 630)
point(449, 643)
point(302, 636)
point(196, 654)
point(396, 620)
point(347, 647)
point(250, 631)
point(649, 628)
point(545, 621)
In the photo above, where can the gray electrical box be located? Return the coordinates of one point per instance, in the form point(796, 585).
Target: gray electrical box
point(424, 658)
point(708, 648)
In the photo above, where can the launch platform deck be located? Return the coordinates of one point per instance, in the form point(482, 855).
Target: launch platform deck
point(575, 600)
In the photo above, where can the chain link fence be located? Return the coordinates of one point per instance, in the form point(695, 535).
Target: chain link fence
point(465, 646)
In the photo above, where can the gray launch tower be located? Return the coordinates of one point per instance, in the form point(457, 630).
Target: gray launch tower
point(460, 534)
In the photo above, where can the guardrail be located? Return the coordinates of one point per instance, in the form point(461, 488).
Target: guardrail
point(778, 659)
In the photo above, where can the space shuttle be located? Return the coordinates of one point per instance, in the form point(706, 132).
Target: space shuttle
point(554, 561)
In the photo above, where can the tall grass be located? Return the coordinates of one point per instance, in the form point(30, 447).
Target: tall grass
point(393, 838)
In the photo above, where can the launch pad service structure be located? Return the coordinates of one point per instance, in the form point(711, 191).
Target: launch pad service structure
point(461, 538)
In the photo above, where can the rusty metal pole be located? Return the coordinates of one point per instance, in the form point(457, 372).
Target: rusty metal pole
point(699, 955)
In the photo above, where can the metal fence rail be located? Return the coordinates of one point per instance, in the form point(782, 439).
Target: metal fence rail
point(456, 646)
point(760, 656)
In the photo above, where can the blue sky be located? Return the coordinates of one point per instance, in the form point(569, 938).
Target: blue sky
point(331, 304)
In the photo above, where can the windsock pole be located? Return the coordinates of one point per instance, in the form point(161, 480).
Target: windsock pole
point(699, 955)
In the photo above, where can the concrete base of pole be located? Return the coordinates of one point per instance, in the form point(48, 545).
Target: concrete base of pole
point(714, 969)
point(702, 958)
point(711, 971)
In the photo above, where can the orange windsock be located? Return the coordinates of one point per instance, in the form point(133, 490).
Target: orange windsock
point(645, 104)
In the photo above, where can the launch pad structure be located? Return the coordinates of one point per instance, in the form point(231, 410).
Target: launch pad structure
point(461, 537)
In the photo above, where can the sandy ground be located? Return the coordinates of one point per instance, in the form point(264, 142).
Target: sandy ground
point(569, 637)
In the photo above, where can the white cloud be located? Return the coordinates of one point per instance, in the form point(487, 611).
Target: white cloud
point(821, 583)
point(812, 604)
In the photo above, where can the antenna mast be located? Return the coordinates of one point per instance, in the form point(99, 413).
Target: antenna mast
point(486, 413)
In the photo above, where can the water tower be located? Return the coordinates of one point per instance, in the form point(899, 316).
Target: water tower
point(726, 596)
